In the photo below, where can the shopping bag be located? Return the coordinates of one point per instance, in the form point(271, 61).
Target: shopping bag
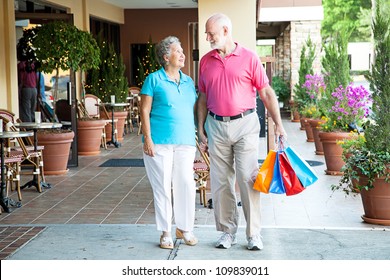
point(302, 169)
point(291, 183)
point(277, 181)
point(266, 171)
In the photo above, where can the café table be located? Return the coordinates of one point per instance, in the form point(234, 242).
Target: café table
point(5, 201)
point(34, 126)
point(113, 141)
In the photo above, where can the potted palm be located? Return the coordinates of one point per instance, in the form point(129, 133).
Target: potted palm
point(367, 165)
point(61, 46)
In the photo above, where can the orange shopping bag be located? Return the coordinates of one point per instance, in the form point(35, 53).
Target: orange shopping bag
point(266, 171)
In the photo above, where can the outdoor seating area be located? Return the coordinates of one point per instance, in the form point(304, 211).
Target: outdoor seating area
point(23, 156)
point(95, 193)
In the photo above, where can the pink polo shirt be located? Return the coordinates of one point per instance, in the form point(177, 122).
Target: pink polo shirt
point(230, 83)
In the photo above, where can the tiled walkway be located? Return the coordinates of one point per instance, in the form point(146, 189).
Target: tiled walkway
point(13, 237)
point(90, 194)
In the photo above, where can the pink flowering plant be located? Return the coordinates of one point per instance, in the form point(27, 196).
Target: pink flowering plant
point(350, 108)
point(315, 88)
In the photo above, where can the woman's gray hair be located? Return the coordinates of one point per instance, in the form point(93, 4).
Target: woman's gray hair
point(164, 48)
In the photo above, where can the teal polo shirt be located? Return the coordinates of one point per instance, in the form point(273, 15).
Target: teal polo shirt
point(172, 114)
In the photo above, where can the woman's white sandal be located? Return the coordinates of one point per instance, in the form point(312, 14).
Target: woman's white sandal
point(166, 242)
point(188, 237)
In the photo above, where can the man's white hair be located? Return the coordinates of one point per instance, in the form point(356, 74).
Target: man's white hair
point(222, 20)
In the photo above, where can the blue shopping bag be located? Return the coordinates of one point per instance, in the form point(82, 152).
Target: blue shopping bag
point(277, 185)
point(302, 169)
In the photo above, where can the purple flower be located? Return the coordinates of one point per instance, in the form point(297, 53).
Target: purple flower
point(350, 105)
point(314, 85)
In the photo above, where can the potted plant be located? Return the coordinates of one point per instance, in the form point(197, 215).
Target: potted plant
point(314, 87)
point(107, 80)
point(343, 104)
point(281, 89)
point(61, 46)
point(367, 165)
point(314, 111)
point(300, 97)
point(347, 114)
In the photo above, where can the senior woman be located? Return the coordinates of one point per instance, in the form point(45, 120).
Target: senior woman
point(168, 99)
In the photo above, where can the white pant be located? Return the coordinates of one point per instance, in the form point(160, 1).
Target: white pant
point(170, 172)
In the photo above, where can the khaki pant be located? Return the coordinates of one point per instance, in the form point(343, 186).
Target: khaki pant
point(233, 148)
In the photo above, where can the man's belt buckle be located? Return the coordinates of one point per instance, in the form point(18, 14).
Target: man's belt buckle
point(225, 119)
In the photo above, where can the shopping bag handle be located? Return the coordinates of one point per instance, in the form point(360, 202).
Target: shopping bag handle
point(281, 143)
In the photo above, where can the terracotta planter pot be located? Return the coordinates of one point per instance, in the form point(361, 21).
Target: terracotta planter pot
point(121, 117)
point(56, 151)
point(294, 112)
point(333, 151)
point(314, 123)
point(309, 131)
point(295, 116)
point(302, 121)
point(376, 201)
point(89, 136)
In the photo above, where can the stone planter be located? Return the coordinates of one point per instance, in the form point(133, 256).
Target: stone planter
point(56, 150)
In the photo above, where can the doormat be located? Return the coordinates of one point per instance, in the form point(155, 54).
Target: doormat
point(123, 162)
point(310, 162)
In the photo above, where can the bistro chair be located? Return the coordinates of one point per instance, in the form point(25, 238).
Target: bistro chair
point(12, 175)
point(29, 157)
point(14, 161)
point(202, 173)
point(10, 116)
point(134, 116)
point(12, 169)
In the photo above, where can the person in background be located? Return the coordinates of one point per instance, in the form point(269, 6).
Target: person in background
point(27, 79)
point(168, 100)
point(41, 87)
point(228, 127)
